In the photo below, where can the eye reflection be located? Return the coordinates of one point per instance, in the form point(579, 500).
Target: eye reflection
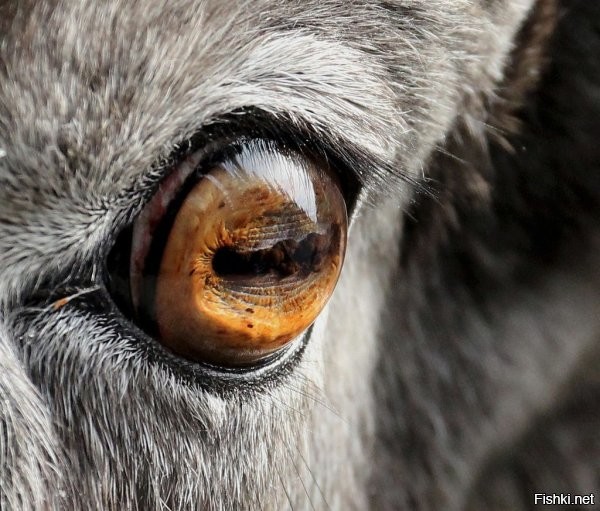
point(252, 256)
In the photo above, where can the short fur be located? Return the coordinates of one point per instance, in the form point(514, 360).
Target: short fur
point(456, 366)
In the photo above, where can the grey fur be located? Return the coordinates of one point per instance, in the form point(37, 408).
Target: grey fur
point(457, 334)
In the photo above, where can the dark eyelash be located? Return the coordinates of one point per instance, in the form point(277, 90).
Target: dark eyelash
point(215, 140)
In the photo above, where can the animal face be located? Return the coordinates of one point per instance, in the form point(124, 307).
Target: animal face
point(466, 307)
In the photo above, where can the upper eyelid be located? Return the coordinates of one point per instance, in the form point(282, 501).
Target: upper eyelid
point(354, 168)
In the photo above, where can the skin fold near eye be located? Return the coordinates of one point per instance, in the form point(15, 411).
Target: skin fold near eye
point(251, 258)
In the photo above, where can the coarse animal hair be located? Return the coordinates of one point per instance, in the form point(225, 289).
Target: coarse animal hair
point(455, 367)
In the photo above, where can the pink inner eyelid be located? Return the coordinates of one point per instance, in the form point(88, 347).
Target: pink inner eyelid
point(149, 218)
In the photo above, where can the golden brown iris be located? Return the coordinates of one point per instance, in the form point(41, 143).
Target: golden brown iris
point(251, 258)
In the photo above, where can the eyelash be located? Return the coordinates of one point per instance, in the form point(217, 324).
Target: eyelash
point(215, 140)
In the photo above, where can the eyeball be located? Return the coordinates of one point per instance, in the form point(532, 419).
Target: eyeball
point(251, 249)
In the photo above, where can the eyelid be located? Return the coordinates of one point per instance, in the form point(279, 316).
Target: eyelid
point(354, 167)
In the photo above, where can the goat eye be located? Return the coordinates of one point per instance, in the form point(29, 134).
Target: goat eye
point(251, 248)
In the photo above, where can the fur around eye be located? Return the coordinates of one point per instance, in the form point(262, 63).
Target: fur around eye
point(234, 258)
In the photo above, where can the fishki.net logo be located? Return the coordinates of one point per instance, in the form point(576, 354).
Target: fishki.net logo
point(564, 499)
